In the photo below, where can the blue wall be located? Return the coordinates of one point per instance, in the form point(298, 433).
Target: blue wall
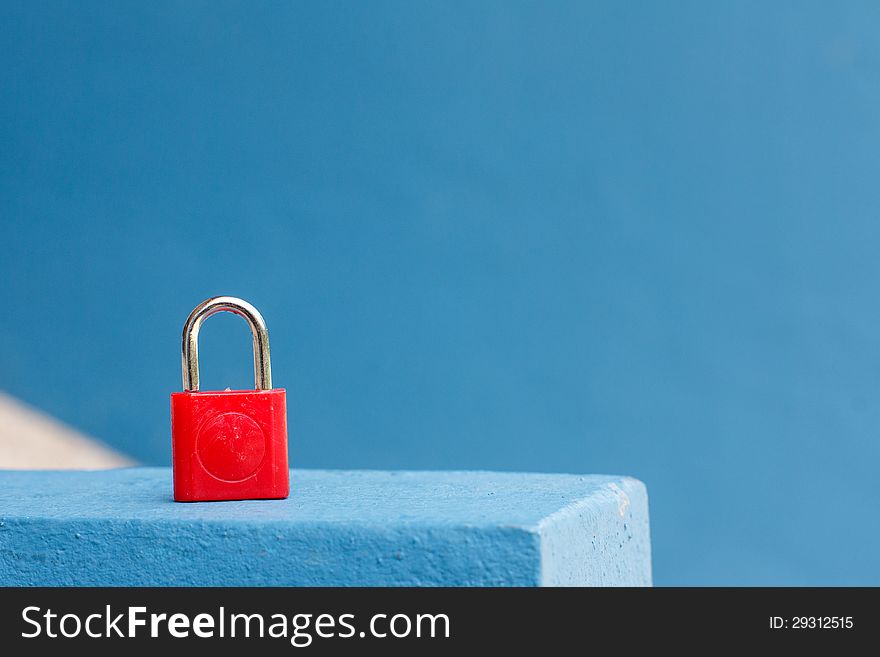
point(638, 238)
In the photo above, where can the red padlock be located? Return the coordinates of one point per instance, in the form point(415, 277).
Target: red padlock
point(231, 444)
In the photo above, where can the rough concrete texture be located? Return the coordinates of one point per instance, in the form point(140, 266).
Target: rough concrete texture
point(338, 528)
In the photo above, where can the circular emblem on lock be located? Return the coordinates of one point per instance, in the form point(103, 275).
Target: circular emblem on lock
point(231, 446)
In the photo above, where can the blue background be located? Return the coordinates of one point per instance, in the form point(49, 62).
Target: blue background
point(638, 238)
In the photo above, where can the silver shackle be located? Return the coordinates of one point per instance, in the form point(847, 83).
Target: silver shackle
point(262, 367)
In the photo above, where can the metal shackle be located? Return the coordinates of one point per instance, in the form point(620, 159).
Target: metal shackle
point(190, 356)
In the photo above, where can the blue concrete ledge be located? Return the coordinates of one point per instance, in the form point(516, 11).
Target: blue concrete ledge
point(338, 528)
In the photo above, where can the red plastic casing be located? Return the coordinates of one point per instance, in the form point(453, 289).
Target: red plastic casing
point(229, 445)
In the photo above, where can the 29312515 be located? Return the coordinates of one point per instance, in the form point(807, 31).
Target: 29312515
point(811, 623)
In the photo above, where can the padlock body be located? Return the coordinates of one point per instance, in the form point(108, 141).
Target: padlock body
point(229, 445)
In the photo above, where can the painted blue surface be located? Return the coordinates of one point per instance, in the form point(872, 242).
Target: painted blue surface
point(338, 528)
point(574, 236)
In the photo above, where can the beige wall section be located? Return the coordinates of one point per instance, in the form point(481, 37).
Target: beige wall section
point(30, 439)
